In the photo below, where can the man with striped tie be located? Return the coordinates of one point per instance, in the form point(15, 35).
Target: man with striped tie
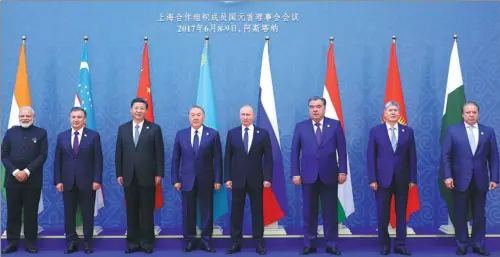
point(392, 170)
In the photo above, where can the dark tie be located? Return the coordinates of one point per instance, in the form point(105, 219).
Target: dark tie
point(196, 142)
point(318, 132)
point(245, 140)
point(75, 142)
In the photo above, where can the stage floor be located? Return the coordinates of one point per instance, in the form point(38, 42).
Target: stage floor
point(277, 247)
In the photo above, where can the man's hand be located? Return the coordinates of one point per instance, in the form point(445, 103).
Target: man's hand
point(217, 186)
point(342, 177)
point(21, 176)
point(157, 180)
point(59, 187)
point(267, 184)
point(96, 186)
point(297, 181)
point(411, 185)
point(120, 180)
point(449, 183)
point(493, 185)
point(177, 186)
point(229, 184)
point(374, 186)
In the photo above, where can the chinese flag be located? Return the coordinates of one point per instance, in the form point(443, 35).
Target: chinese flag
point(144, 91)
point(394, 92)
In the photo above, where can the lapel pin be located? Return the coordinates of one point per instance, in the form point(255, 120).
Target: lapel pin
point(258, 132)
point(147, 127)
point(403, 130)
point(328, 125)
point(34, 140)
point(84, 135)
point(207, 133)
point(482, 133)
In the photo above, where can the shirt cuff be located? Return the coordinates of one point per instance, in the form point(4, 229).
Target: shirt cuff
point(27, 172)
point(14, 173)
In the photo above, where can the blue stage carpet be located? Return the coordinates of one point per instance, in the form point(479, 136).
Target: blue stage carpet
point(277, 247)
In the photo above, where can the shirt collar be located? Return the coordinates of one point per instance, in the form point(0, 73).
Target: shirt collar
point(396, 126)
point(140, 124)
point(320, 122)
point(250, 128)
point(80, 131)
point(467, 125)
point(200, 130)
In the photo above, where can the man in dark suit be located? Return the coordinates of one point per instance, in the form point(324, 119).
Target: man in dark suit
point(24, 151)
point(197, 171)
point(140, 163)
point(78, 164)
point(248, 168)
point(471, 168)
point(392, 170)
point(320, 168)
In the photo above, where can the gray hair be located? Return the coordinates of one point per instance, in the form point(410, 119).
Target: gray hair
point(247, 105)
point(390, 104)
point(196, 107)
point(29, 108)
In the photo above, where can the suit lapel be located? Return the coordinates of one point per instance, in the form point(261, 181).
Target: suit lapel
point(68, 140)
point(402, 136)
point(239, 139)
point(145, 127)
point(256, 133)
point(83, 140)
point(204, 137)
point(326, 131)
point(187, 139)
point(480, 137)
point(385, 135)
point(312, 132)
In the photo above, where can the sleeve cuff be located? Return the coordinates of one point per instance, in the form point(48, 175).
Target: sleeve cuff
point(14, 173)
point(27, 172)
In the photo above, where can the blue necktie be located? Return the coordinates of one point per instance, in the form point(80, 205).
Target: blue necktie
point(394, 141)
point(75, 142)
point(245, 140)
point(196, 142)
point(472, 140)
point(318, 132)
point(136, 135)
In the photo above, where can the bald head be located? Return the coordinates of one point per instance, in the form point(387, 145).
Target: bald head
point(246, 115)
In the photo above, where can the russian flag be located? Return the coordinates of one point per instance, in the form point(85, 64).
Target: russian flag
point(275, 202)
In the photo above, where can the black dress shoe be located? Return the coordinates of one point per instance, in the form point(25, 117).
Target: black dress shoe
point(480, 251)
point(148, 250)
point(9, 249)
point(132, 249)
point(384, 250)
point(189, 247)
point(233, 249)
point(208, 248)
point(31, 249)
point(70, 249)
point(333, 251)
point(261, 250)
point(402, 251)
point(307, 250)
point(461, 251)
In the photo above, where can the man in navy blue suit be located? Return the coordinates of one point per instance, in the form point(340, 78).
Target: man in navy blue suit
point(24, 151)
point(392, 170)
point(197, 171)
point(78, 164)
point(471, 168)
point(248, 168)
point(319, 164)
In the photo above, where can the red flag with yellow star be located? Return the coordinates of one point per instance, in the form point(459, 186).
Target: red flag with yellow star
point(144, 91)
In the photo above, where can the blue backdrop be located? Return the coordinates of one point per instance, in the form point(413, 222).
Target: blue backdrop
point(298, 61)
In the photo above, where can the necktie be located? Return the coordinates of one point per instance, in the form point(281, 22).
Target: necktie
point(318, 132)
point(136, 135)
point(472, 140)
point(394, 141)
point(196, 142)
point(75, 142)
point(245, 140)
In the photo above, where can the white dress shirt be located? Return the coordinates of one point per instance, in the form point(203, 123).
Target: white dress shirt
point(250, 135)
point(133, 128)
point(80, 132)
point(475, 132)
point(396, 131)
point(320, 125)
point(200, 132)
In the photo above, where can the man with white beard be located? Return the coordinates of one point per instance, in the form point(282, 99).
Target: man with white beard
point(24, 151)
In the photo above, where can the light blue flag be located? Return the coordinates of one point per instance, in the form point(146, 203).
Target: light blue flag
point(84, 91)
point(205, 99)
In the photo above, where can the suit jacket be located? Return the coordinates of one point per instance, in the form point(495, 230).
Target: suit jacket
point(24, 148)
point(460, 164)
point(384, 164)
point(253, 168)
point(82, 169)
point(206, 166)
point(147, 160)
point(318, 160)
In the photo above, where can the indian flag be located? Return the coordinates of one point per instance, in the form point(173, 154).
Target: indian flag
point(334, 111)
point(21, 97)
